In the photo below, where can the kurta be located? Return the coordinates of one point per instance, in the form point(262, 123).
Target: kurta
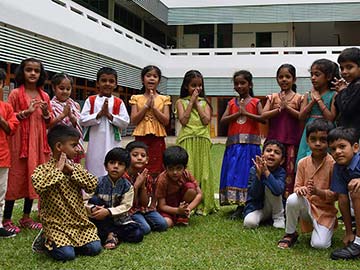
point(101, 132)
point(19, 181)
point(194, 137)
point(322, 208)
point(63, 213)
point(7, 113)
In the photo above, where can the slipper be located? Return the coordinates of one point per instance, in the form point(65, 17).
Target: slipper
point(289, 240)
point(30, 224)
point(111, 243)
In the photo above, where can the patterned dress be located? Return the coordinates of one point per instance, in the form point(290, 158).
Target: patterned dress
point(63, 213)
point(195, 139)
point(242, 145)
point(315, 113)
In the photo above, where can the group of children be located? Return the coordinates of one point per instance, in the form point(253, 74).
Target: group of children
point(150, 187)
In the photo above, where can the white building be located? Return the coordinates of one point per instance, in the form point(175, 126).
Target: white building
point(213, 36)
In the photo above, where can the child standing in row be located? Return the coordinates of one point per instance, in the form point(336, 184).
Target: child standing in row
point(194, 113)
point(313, 201)
point(65, 110)
point(112, 201)
point(103, 115)
point(144, 206)
point(347, 101)
point(177, 190)
point(150, 113)
point(29, 146)
point(266, 186)
point(243, 115)
point(8, 125)
point(319, 102)
point(282, 110)
point(59, 182)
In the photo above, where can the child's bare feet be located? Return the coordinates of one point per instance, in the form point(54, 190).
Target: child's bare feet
point(111, 242)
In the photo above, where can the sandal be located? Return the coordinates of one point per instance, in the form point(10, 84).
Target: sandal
point(30, 224)
point(288, 240)
point(11, 227)
point(111, 242)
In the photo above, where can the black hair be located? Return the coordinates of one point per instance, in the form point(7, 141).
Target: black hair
point(137, 144)
point(329, 68)
point(350, 54)
point(248, 77)
point(175, 155)
point(347, 134)
point(118, 154)
point(278, 144)
point(20, 76)
point(2, 75)
point(146, 70)
point(61, 133)
point(189, 75)
point(292, 71)
point(318, 125)
point(57, 78)
point(107, 71)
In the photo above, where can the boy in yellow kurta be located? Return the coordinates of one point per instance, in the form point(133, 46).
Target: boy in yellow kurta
point(59, 182)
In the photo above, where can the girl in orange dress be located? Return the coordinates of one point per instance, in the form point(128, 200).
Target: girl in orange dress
point(28, 146)
point(150, 113)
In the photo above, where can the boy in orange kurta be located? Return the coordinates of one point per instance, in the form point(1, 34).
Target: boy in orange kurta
point(313, 201)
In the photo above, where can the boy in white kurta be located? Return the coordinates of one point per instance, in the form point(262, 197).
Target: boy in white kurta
point(103, 115)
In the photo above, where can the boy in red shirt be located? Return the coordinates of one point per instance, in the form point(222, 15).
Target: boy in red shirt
point(8, 124)
point(177, 191)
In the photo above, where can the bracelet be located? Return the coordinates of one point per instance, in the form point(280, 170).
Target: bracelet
point(47, 117)
point(146, 106)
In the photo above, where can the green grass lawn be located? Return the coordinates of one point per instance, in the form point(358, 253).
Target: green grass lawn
point(212, 242)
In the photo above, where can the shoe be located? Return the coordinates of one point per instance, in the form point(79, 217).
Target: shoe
point(184, 221)
point(279, 223)
point(38, 246)
point(238, 213)
point(10, 227)
point(123, 219)
point(6, 234)
point(350, 252)
point(30, 224)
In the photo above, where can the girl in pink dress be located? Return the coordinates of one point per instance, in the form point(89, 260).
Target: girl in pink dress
point(28, 146)
point(282, 109)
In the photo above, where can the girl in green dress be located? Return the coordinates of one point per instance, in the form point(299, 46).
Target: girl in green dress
point(194, 113)
point(319, 102)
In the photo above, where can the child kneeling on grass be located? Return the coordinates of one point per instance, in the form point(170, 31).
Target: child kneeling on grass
point(144, 205)
point(313, 201)
point(67, 231)
point(113, 198)
point(177, 191)
point(344, 147)
point(266, 186)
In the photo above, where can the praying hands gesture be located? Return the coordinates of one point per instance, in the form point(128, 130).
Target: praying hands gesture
point(105, 111)
point(64, 165)
point(311, 188)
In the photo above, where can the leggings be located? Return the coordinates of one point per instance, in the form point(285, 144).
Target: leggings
point(9, 206)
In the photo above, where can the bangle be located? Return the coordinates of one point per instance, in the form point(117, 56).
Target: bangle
point(146, 106)
point(47, 117)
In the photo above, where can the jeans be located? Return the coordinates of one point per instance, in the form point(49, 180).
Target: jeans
point(67, 253)
point(150, 221)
